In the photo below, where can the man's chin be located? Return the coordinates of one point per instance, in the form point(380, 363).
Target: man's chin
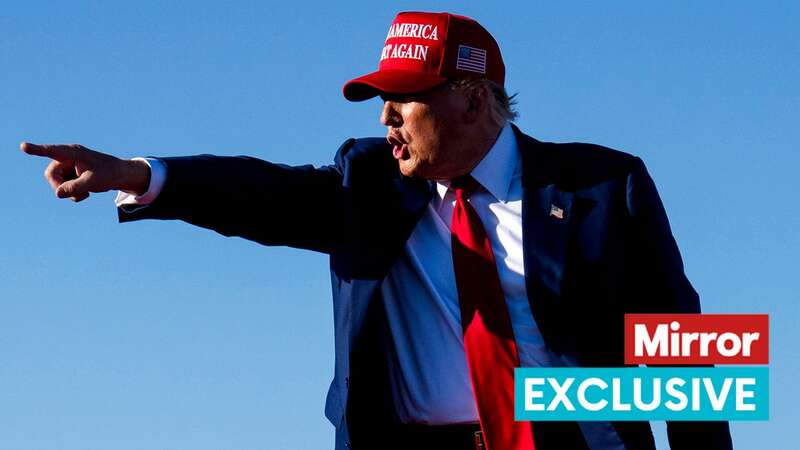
point(408, 168)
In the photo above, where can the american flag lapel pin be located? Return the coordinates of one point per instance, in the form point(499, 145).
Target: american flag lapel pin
point(556, 212)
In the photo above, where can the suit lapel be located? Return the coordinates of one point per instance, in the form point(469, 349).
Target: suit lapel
point(547, 217)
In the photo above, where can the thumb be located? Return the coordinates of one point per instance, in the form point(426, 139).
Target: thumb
point(77, 188)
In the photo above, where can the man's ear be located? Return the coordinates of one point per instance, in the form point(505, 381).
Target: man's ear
point(477, 102)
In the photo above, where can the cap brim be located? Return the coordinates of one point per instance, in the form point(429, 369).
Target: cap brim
point(389, 82)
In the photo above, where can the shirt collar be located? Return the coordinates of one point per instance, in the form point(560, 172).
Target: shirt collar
point(496, 170)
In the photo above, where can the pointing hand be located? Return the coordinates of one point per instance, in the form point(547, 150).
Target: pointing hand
point(75, 171)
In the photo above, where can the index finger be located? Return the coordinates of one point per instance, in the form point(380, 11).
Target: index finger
point(62, 153)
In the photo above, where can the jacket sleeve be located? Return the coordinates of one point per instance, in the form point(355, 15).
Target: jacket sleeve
point(662, 271)
point(659, 263)
point(273, 204)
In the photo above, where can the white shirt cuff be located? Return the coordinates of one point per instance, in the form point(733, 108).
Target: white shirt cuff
point(158, 175)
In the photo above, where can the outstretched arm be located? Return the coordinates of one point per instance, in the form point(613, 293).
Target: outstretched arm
point(273, 204)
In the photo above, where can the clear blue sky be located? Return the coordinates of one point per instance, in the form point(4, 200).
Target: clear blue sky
point(161, 335)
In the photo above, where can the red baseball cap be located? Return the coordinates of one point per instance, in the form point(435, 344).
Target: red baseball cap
point(423, 50)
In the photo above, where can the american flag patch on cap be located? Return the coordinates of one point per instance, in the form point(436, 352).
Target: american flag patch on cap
point(471, 59)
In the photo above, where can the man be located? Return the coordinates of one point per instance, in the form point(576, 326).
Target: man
point(460, 248)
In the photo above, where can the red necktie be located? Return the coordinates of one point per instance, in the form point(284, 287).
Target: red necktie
point(488, 337)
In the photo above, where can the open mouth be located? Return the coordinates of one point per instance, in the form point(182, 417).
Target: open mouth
point(400, 152)
point(399, 147)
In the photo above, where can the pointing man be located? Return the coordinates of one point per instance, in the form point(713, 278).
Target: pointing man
point(460, 248)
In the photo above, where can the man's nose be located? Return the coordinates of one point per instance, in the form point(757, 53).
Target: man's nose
point(390, 117)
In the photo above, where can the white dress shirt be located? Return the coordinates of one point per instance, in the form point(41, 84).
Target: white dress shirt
point(428, 368)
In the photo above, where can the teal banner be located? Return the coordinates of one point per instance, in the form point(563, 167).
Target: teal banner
point(642, 393)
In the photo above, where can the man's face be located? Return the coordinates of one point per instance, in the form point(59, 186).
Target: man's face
point(425, 131)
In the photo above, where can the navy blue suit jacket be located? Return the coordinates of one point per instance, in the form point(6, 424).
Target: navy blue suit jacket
point(613, 253)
